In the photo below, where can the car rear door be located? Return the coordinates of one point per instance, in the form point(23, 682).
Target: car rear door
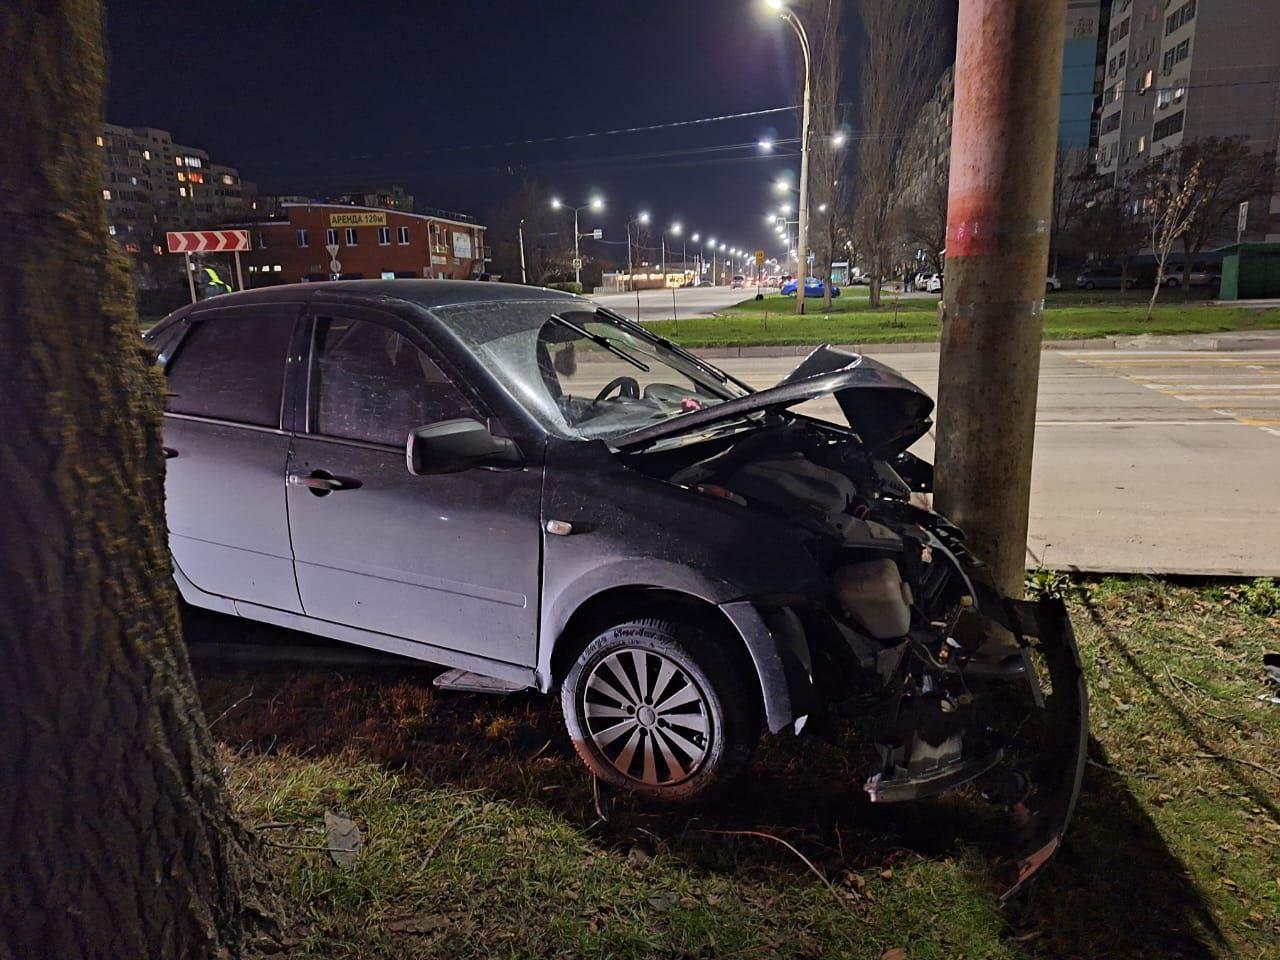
point(227, 449)
point(451, 560)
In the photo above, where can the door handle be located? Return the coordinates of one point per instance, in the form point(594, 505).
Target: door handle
point(321, 482)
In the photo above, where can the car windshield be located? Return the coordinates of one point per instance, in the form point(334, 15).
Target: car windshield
point(581, 372)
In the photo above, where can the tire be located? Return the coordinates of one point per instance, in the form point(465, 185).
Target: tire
point(1172, 282)
point(680, 752)
point(1088, 284)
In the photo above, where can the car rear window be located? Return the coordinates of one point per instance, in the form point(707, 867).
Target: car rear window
point(231, 367)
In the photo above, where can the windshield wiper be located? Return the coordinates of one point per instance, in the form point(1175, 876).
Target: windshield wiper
point(602, 341)
point(629, 324)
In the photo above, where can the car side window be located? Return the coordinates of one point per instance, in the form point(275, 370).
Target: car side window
point(370, 383)
point(230, 366)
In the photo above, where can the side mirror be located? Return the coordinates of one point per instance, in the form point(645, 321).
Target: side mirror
point(452, 446)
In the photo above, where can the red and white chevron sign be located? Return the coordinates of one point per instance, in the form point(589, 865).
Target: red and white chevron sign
point(207, 241)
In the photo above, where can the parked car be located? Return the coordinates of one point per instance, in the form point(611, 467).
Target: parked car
point(921, 281)
point(1052, 283)
point(539, 493)
point(1204, 274)
point(1103, 278)
point(860, 280)
point(934, 283)
point(702, 282)
point(812, 288)
point(738, 282)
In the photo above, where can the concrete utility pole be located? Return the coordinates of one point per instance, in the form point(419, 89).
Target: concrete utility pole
point(1005, 128)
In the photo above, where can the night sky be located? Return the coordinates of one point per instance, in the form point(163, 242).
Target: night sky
point(321, 97)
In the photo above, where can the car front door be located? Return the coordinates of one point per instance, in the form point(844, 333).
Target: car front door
point(448, 560)
point(228, 449)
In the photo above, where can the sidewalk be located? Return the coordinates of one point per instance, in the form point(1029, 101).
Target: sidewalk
point(1242, 340)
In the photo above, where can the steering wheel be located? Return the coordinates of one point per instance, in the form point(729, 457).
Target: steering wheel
point(626, 386)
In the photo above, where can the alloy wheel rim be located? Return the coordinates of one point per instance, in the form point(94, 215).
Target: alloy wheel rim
point(647, 717)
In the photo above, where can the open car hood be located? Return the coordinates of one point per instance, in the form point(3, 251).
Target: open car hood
point(884, 408)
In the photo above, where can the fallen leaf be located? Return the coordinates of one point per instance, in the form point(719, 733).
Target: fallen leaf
point(343, 838)
point(894, 953)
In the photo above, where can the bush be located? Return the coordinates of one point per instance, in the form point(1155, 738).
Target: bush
point(571, 286)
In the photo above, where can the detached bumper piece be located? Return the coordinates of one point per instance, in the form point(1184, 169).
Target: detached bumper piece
point(938, 737)
point(1046, 627)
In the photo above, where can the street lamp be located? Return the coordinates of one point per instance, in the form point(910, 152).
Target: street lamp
point(765, 145)
point(781, 10)
point(595, 203)
point(641, 217)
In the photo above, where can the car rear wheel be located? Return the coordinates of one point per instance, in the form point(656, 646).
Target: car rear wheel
point(1088, 284)
point(659, 708)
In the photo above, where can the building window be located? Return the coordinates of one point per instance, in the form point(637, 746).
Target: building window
point(402, 235)
point(182, 191)
point(111, 229)
point(1111, 122)
point(146, 154)
point(177, 161)
point(106, 194)
point(351, 236)
point(1146, 81)
point(1183, 14)
point(384, 236)
point(196, 177)
point(228, 180)
point(1168, 126)
point(331, 237)
point(182, 177)
point(98, 141)
point(1164, 98)
point(1142, 144)
point(302, 238)
point(1121, 59)
point(1177, 54)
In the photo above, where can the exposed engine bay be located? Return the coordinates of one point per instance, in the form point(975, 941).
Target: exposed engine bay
point(968, 686)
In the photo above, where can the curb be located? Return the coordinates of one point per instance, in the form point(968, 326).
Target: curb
point(1259, 340)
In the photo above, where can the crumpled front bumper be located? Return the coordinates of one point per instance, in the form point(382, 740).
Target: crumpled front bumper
point(1046, 625)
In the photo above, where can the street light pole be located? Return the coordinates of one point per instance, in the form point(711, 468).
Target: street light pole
point(523, 275)
point(577, 257)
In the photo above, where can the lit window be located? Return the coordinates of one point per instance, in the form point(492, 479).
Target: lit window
point(331, 238)
point(1146, 80)
point(384, 236)
point(111, 229)
point(98, 141)
point(402, 235)
point(196, 177)
point(228, 179)
point(134, 181)
point(302, 238)
point(182, 191)
point(182, 177)
point(106, 194)
point(1142, 144)
point(276, 268)
point(146, 154)
point(178, 161)
point(351, 236)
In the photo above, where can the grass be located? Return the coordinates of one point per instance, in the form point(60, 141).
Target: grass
point(1068, 315)
point(481, 840)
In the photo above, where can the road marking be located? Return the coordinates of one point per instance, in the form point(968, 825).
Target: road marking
point(1212, 386)
point(1219, 397)
point(1227, 421)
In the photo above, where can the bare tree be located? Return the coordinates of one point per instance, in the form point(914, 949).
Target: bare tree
point(547, 254)
point(924, 220)
point(1170, 198)
point(121, 840)
point(1071, 184)
point(828, 184)
point(1230, 173)
point(1110, 230)
point(900, 66)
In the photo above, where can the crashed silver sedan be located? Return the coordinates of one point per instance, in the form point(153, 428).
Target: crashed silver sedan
point(539, 493)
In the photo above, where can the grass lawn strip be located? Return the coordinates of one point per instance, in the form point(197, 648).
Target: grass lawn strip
point(481, 841)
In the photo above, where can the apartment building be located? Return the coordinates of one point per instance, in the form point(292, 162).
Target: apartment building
point(151, 184)
point(1186, 70)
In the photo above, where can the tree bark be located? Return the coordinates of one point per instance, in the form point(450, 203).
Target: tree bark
point(119, 839)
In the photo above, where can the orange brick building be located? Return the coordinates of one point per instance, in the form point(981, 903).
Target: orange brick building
point(366, 242)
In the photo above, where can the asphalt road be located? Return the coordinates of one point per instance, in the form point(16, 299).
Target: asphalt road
point(1145, 461)
point(688, 302)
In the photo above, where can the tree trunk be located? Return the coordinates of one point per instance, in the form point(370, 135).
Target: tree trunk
point(873, 290)
point(120, 838)
point(1186, 265)
point(1151, 304)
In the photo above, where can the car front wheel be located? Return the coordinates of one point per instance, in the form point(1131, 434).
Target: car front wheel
point(659, 708)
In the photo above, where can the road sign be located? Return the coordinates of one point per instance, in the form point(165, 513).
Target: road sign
point(335, 265)
point(597, 233)
point(207, 241)
point(332, 248)
point(577, 263)
point(1242, 220)
point(759, 258)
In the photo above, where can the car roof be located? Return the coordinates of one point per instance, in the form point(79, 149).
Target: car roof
point(427, 294)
